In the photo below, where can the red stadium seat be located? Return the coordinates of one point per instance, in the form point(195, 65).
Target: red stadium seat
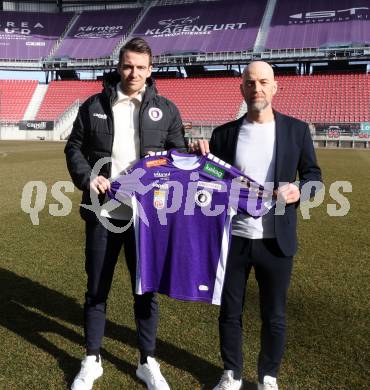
point(15, 96)
point(62, 94)
point(204, 99)
point(325, 98)
point(316, 98)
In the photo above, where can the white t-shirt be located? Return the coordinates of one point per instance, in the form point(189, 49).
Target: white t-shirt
point(126, 143)
point(255, 157)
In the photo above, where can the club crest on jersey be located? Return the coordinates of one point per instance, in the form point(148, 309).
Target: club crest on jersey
point(156, 163)
point(155, 114)
point(214, 170)
point(203, 198)
point(159, 199)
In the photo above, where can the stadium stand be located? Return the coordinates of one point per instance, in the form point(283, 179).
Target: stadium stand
point(62, 94)
point(187, 36)
point(30, 35)
point(318, 23)
point(199, 99)
point(202, 27)
point(203, 99)
point(96, 34)
point(325, 98)
point(15, 96)
point(333, 98)
point(191, 28)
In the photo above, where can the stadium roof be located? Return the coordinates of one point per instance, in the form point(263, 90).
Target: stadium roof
point(62, 3)
point(75, 1)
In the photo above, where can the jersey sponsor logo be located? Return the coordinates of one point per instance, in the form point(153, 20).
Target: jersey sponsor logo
point(214, 170)
point(159, 199)
point(203, 198)
point(213, 186)
point(100, 116)
point(155, 114)
point(162, 175)
point(163, 186)
point(203, 287)
point(156, 163)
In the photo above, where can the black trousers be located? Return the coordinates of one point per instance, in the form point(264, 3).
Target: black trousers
point(102, 250)
point(272, 271)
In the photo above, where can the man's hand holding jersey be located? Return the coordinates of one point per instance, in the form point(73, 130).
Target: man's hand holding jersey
point(288, 193)
point(100, 185)
point(201, 146)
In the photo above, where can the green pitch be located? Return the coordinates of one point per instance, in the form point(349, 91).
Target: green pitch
point(42, 283)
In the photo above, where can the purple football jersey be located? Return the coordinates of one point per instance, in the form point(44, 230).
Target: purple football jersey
point(182, 209)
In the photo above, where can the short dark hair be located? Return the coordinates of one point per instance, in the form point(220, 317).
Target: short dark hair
point(137, 45)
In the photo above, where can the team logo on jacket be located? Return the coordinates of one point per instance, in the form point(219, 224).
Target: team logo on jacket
point(159, 199)
point(100, 116)
point(155, 114)
point(203, 198)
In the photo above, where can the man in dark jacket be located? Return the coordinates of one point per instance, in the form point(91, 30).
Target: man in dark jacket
point(123, 123)
point(271, 148)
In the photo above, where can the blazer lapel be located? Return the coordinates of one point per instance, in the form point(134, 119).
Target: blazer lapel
point(234, 137)
point(281, 144)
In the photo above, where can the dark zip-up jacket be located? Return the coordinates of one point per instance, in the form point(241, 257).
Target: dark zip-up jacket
point(160, 128)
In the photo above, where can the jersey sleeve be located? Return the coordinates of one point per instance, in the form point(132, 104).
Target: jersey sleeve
point(128, 183)
point(137, 180)
point(249, 197)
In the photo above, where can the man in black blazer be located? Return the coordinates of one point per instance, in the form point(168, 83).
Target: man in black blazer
point(270, 147)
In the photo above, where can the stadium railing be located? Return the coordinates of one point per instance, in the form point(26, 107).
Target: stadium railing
point(285, 55)
point(212, 58)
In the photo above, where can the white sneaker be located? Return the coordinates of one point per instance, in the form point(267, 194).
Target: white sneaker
point(90, 370)
point(227, 382)
point(269, 383)
point(151, 374)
